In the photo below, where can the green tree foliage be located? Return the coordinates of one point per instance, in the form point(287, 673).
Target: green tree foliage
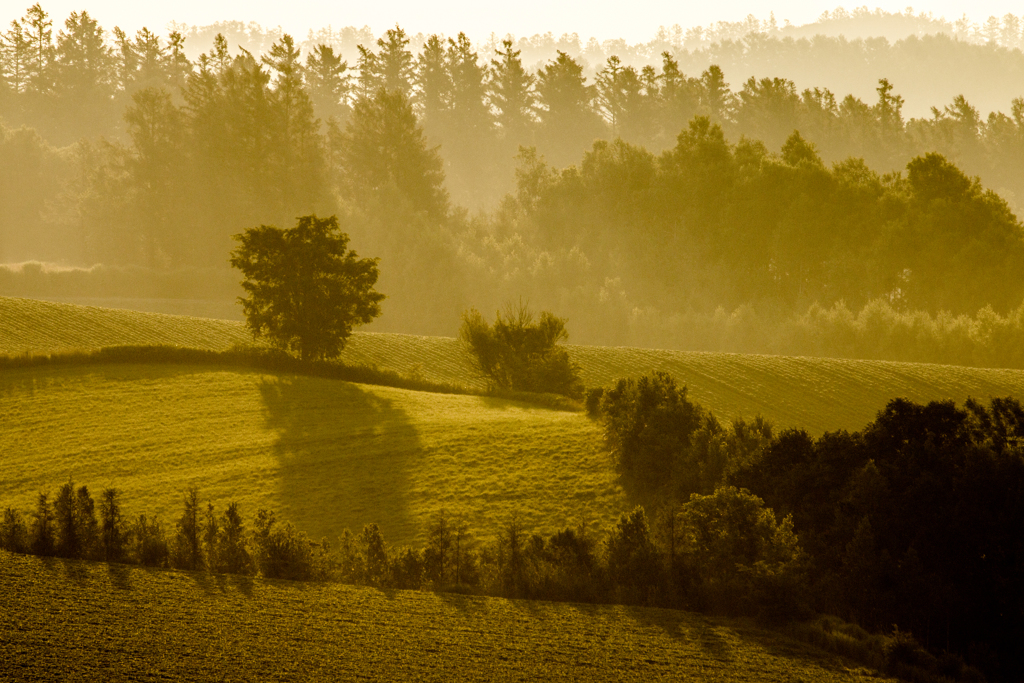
point(281, 552)
point(42, 532)
point(390, 68)
point(375, 556)
point(148, 543)
point(76, 525)
point(384, 157)
point(520, 353)
point(13, 532)
point(187, 548)
point(911, 521)
point(448, 559)
point(737, 556)
point(510, 92)
point(113, 529)
point(568, 123)
point(306, 289)
point(230, 553)
point(634, 562)
point(329, 84)
point(30, 170)
point(649, 425)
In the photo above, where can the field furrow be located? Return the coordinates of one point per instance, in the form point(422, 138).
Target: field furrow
point(73, 620)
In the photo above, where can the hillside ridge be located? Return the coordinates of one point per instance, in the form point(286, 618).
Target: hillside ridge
point(816, 394)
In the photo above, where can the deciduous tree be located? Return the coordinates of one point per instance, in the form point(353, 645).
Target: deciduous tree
point(305, 288)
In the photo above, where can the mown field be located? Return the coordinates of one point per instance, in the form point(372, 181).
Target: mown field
point(73, 620)
point(324, 454)
point(816, 394)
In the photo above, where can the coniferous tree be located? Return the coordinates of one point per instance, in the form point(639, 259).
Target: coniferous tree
point(329, 84)
point(232, 554)
point(433, 101)
point(568, 123)
point(768, 108)
point(437, 556)
point(15, 47)
point(113, 531)
point(176, 62)
point(187, 551)
point(13, 532)
point(295, 152)
point(69, 527)
point(125, 59)
point(680, 99)
point(716, 98)
point(42, 534)
point(468, 145)
point(84, 102)
point(384, 155)
point(211, 532)
point(510, 92)
point(89, 530)
point(38, 29)
point(149, 545)
point(157, 130)
point(390, 68)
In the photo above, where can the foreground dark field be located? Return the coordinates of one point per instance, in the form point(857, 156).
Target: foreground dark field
point(74, 620)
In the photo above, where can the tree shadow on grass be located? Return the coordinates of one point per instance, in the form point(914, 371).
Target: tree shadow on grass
point(344, 456)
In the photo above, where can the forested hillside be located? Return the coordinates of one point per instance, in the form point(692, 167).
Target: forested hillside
point(667, 202)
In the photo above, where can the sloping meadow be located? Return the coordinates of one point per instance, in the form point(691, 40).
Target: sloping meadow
point(817, 394)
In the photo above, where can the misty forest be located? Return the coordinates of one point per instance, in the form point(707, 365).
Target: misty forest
point(790, 260)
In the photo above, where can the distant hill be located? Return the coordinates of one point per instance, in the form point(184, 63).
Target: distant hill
point(96, 621)
point(817, 394)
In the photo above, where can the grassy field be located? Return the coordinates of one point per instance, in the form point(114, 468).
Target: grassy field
point(816, 394)
point(73, 620)
point(324, 454)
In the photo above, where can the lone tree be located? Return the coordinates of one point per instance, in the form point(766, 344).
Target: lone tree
point(520, 353)
point(305, 288)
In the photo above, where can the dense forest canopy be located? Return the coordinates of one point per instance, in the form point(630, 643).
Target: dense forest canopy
point(634, 192)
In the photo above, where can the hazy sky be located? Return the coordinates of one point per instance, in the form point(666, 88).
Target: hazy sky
point(634, 21)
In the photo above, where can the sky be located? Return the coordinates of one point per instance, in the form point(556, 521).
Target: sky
point(635, 21)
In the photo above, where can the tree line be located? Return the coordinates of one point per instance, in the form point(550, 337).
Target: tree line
point(671, 220)
point(911, 521)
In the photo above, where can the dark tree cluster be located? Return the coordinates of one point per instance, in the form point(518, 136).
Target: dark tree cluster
point(913, 521)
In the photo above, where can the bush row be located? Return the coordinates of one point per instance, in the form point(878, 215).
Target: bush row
point(723, 553)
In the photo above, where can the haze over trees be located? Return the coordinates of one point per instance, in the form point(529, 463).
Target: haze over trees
point(651, 197)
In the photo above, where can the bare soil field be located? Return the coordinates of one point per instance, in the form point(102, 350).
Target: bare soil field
point(74, 620)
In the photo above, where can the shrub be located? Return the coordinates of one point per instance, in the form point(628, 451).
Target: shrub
point(13, 532)
point(520, 353)
point(284, 553)
point(149, 545)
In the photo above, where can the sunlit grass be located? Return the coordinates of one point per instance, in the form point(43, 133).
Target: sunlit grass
point(325, 454)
